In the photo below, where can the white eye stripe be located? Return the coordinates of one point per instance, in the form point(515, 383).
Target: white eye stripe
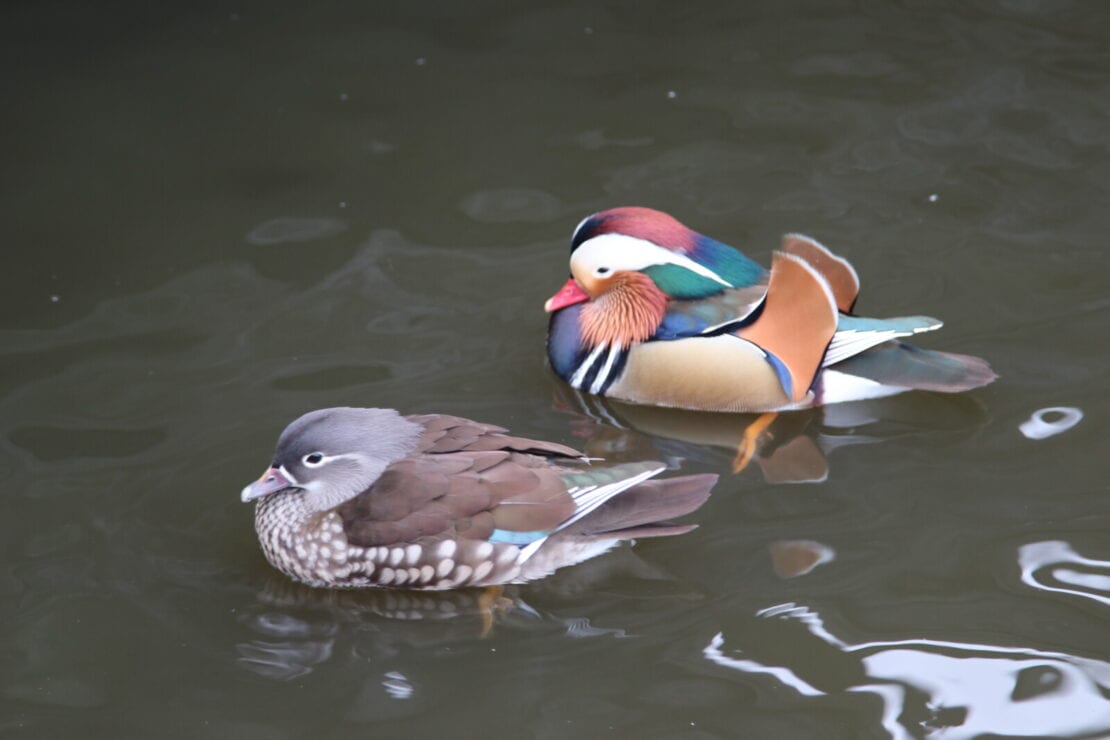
point(325, 459)
point(623, 252)
point(288, 476)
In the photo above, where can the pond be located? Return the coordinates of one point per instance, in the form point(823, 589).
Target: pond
point(222, 215)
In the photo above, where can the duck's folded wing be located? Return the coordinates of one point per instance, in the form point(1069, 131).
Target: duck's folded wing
point(459, 494)
point(837, 271)
point(714, 314)
point(445, 434)
point(797, 322)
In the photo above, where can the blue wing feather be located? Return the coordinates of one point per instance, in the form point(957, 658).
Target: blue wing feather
point(731, 308)
point(728, 262)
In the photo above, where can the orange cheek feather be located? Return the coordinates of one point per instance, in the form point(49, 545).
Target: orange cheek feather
point(629, 311)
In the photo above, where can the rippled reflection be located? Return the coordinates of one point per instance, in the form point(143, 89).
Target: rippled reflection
point(793, 558)
point(961, 690)
point(292, 630)
point(283, 660)
point(295, 629)
point(941, 688)
point(397, 686)
point(793, 448)
point(1055, 566)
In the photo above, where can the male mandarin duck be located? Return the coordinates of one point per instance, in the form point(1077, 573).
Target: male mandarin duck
point(367, 497)
point(656, 313)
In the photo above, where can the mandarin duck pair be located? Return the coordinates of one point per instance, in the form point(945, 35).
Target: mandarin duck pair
point(654, 313)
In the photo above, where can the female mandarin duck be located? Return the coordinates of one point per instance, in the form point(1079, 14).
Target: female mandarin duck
point(367, 497)
point(655, 313)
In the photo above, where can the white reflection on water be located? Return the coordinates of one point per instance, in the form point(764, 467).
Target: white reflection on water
point(579, 627)
point(397, 686)
point(288, 648)
point(971, 689)
point(1042, 562)
point(1051, 421)
point(283, 660)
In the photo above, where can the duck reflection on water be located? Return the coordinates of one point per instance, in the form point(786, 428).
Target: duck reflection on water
point(294, 629)
point(790, 448)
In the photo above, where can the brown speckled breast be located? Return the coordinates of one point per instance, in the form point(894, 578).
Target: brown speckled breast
point(318, 554)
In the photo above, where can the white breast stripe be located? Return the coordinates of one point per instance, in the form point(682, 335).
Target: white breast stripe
point(603, 374)
point(579, 376)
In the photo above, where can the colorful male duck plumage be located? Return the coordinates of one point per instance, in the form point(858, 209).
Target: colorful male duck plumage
point(366, 497)
point(656, 313)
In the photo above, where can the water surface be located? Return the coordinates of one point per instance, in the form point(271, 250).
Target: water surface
point(218, 217)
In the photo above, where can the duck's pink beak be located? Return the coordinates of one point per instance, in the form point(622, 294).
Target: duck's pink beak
point(568, 295)
point(272, 481)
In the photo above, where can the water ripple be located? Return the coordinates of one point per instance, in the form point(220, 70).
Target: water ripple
point(963, 690)
point(290, 230)
point(510, 205)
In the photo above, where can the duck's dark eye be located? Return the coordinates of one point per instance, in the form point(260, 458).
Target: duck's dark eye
point(314, 458)
point(603, 271)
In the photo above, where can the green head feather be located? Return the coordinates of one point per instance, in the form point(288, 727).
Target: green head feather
point(681, 283)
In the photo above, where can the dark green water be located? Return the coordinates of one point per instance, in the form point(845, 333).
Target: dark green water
point(218, 216)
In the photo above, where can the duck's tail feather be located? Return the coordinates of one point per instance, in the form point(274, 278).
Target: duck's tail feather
point(857, 334)
point(894, 367)
point(643, 511)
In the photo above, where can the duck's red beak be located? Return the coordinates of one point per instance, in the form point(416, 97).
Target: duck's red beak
point(568, 295)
